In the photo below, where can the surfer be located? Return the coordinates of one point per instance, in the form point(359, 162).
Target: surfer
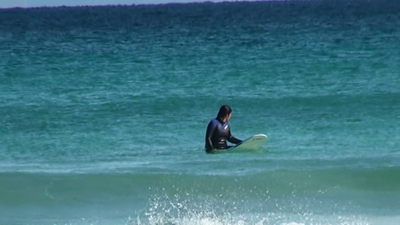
point(218, 131)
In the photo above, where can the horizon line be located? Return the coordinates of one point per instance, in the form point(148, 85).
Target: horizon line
point(153, 3)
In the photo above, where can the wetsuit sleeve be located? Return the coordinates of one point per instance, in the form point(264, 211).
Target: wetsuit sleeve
point(233, 139)
point(210, 132)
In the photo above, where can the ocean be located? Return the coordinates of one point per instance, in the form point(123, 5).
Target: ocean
point(104, 112)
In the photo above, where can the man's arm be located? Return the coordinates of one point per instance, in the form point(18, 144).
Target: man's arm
point(210, 132)
point(233, 139)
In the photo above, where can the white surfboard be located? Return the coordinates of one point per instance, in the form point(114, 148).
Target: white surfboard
point(252, 143)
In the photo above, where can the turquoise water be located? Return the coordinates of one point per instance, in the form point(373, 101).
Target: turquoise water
point(104, 111)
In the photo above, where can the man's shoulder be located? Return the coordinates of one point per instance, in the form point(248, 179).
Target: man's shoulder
point(214, 122)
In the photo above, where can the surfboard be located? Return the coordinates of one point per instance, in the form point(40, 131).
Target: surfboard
point(252, 143)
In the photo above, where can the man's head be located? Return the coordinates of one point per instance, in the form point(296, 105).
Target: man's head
point(224, 112)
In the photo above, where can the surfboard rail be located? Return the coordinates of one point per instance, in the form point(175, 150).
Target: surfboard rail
point(252, 143)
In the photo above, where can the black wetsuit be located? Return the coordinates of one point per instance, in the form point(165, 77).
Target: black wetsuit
point(217, 134)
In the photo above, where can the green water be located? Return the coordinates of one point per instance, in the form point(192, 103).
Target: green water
point(104, 111)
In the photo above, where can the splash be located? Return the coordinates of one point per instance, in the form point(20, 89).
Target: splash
point(213, 210)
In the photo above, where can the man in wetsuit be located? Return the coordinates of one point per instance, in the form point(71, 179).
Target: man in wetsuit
point(218, 131)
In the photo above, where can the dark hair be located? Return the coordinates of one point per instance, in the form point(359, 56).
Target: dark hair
point(224, 111)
